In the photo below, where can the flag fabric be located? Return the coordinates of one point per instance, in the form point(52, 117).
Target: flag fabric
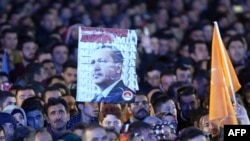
point(5, 67)
point(223, 84)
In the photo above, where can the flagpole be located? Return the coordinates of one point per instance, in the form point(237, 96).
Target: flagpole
point(227, 69)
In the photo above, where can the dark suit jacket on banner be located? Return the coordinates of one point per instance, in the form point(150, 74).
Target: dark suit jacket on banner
point(115, 95)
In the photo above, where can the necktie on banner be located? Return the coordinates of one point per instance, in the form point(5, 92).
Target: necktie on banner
point(223, 84)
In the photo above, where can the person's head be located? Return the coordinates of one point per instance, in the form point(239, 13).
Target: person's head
point(55, 79)
point(34, 112)
point(24, 133)
point(9, 38)
point(50, 92)
point(18, 113)
point(201, 83)
point(48, 21)
point(8, 122)
point(3, 76)
point(37, 87)
point(172, 90)
point(153, 75)
point(42, 54)
point(24, 93)
point(192, 134)
point(94, 132)
point(169, 119)
point(140, 108)
point(142, 129)
point(188, 101)
point(236, 47)
point(79, 128)
point(71, 102)
point(184, 73)
point(198, 51)
point(49, 68)
point(89, 109)
point(57, 114)
point(69, 71)
point(62, 88)
point(60, 53)
point(164, 103)
point(43, 135)
point(112, 135)
point(167, 79)
point(107, 62)
point(111, 117)
point(35, 72)
point(6, 99)
point(28, 48)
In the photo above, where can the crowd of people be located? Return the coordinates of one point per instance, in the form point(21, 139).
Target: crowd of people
point(38, 78)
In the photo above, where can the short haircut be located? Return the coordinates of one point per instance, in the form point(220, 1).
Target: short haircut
point(32, 69)
point(90, 128)
point(186, 91)
point(23, 88)
point(49, 81)
point(57, 45)
point(159, 101)
point(47, 61)
point(24, 40)
point(4, 95)
point(167, 72)
point(110, 109)
point(50, 88)
point(69, 64)
point(24, 132)
point(191, 48)
point(41, 51)
point(55, 101)
point(79, 126)
point(61, 86)
point(117, 55)
point(9, 30)
point(190, 133)
point(138, 127)
point(236, 38)
point(32, 104)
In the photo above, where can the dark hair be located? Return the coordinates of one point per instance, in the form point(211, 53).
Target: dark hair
point(236, 38)
point(4, 95)
point(172, 92)
point(68, 136)
point(191, 48)
point(190, 133)
point(138, 127)
point(69, 64)
point(41, 51)
point(186, 91)
point(50, 88)
point(117, 55)
point(90, 128)
point(47, 61)
point(8, 30)
point(57, 45)
point(32, 69)
point(24, 40)
point(32, 104)
point(49, 80)
point(159, 101)
point(80, 126)
point(24, 132)
point(55, 101)
point(23, 88)
point(61, 86)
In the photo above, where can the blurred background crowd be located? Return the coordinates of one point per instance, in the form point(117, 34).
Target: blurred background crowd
point(38, 78)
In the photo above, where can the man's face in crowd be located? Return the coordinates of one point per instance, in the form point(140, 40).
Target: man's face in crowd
point(105, 70)
point(54, 93)
point(201, 52)
point(70, 75)
point(60, 54)
point(90, 109)
point(188, 105)
point(35, 119)
point(8, 101)
point(112, 122)
point(49, 69)
point(22, 95)
point(57, 117)
point(70, 100)
point(184, 75)
point(19, 118)
point(236, 51)
point(167, 81)
point(43, 136)
point(140, 108)
point(208, 127)
point(10, 40)
point(168, 107)
point(97, 134)
point(28, 51)
point(153, 78)
point(49, 22)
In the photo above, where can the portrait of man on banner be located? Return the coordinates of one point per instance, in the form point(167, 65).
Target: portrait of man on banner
point(107, 66)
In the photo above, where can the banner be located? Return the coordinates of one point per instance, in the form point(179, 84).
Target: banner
point(106, 70)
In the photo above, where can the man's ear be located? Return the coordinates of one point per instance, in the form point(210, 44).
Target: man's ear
point(118, 68)
point(80, 106)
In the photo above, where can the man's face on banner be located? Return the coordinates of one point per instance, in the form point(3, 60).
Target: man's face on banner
point(105, 70)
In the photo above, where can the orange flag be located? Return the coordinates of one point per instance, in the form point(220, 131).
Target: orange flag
point(223, 84)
